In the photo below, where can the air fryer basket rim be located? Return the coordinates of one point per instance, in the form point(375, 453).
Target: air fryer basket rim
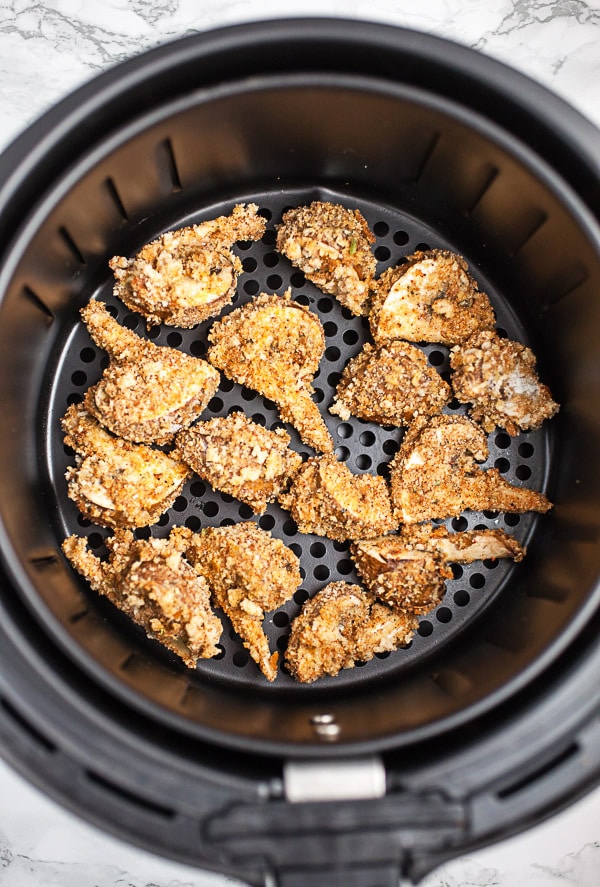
point(550, 730)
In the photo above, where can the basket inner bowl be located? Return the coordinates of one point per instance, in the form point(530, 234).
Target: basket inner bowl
point(424, 173)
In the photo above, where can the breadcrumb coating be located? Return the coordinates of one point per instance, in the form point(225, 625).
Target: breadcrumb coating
point(249, 573)
point(151, 582)
point(148, 392)
point(341, 625)
point(327, 499)
point(409, 571)
point(187, 275)
point(498, 378)
point(430, 297)
point(390, 385)
point(332, 246)
point(274, 345)
point(239, 457)
point(116, 483)
point(434, 474)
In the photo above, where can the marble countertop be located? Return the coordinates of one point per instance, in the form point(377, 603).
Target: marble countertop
point(49, 48)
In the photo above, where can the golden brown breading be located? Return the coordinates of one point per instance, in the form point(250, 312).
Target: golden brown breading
point(434, 474)
point(332, 246)
point(249, 573)
point(151, 582)
point(326, 498)
point(409, 571)
point(390, 385)
point(187, 275)
point(239, 457)
point(499, 378)
point(116, 483)
point(342, 625)
point(430, 297)
point(148, 392)
point(274, 345)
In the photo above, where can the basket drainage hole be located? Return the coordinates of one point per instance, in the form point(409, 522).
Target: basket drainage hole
point(444, 615)
point(462, 598)
point(321, 572)
point(281, 619)
point(511, 520)
point(345, 566)
point(477, 580)
point(240, 658)
point(425, 628)
point(344, 430)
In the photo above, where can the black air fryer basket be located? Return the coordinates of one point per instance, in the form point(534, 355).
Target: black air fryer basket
point(489, 720)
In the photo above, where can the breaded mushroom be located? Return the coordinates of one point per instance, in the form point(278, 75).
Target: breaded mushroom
point(332, 246)
point(409, 571)
point(429, 297)
point(325, 498)
point(148, 392)
point(239, 457)
point(156, 587)
point(390, 385)
point(249, 573)
point(498, 377)
point(116, 483)
point(434, 474)
point(341, 625)
point(274, 346)
point(187, 275)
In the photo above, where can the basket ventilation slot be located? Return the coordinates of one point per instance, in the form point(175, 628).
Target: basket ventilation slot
point(130, 798)
point(115, 197)
point(489, 181)
point(71, 245)
point(168, 164)
point(39, 303)
point(540, 772)
point(24, 726)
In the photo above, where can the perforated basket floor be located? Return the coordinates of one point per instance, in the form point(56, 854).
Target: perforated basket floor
point(366, 447)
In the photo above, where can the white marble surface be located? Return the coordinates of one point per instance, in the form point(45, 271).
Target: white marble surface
point(48, 48)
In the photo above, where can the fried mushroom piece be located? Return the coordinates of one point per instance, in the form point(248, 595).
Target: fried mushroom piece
point(332, 246)
point(434, 474)
point(341, 625)
point(187, 275)
point(239, 457)
point(148, 392)
point(274, 346)
point(325, 498)
point(390, 385)
point(249, 573)
point(116, 483)
point(498, 378)
point(154, 585)
point(430, 297)
point(409, 571)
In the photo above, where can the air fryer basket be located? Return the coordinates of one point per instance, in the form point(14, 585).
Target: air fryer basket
point(438, 147)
